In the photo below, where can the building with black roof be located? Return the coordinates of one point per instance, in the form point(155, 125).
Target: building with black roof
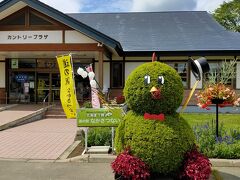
point(32, 34)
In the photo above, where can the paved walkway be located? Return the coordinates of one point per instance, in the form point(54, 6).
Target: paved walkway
point(44, 139)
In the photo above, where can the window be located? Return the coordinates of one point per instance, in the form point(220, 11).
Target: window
point(182, 69)
point(117, 75)
point(47, 63)
point(22, 63)
point(21, 87)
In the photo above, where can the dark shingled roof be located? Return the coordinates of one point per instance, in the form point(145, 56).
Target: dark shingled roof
point(163, 31)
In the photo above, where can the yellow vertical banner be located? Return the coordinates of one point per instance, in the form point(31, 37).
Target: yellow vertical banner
point(67, 89)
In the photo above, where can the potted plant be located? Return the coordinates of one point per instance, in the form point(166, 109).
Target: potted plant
point(126, 166)
point(217, 93)
point(216, 90)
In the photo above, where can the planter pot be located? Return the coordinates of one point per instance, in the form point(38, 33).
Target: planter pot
point(217, 101)
point(118, 177)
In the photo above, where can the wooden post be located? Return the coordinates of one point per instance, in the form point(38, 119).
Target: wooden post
point(100, 69)
point(50, 89)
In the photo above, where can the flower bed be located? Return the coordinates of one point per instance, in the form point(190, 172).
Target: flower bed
point(226, 145)
point(127, 166)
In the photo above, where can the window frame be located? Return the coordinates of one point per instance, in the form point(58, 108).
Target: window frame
point(112, 76)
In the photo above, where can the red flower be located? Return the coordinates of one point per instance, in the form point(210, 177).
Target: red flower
point(196, 166)
point(120, 99)
point(130, 167)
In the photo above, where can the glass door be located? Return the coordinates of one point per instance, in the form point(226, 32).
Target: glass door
point(43, 87)
point(56, 87)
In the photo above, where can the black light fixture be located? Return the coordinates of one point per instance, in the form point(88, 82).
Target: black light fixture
point(199, 67)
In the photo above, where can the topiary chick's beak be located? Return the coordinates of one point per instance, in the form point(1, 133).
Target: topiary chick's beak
point(156, 93)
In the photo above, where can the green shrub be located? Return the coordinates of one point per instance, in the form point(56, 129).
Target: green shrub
point(137, 93)
point(161, 145)
point(87, 104)
point(227, 151)
point(99, 136)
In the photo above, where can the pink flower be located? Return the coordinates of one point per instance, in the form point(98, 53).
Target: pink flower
point(217, 91)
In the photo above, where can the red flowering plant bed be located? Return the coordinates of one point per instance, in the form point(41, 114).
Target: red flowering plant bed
point(127, 166)
point(217, 92)
point(120, 99)
point(195, 166)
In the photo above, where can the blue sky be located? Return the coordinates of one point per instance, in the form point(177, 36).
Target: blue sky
point(71, 6)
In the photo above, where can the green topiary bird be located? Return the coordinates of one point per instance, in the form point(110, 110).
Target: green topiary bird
point(152, 128)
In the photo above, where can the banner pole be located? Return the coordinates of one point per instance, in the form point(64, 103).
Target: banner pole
point(77, 105)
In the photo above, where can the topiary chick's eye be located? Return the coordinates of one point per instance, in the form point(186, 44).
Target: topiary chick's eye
point(147, 79)
point(160, 80)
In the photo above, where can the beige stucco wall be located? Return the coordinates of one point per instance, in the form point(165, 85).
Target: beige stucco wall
point(238, 76)
point(77, 37)
point(2, 75)
point(106, 75)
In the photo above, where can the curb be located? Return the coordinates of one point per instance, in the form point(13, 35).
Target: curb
point(8, 107)
point(69, 150)
point(108, 158)
point(225, 162)
point(91, 158)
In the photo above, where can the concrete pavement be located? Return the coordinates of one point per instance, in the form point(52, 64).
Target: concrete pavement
point(10, 170)
point(229, 173)
point(44, 170)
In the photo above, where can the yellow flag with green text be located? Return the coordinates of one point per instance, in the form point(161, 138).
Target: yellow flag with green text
point(67, 90)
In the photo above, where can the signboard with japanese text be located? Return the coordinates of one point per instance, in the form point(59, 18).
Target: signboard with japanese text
point(14, 63)
point(21, 77)
point(67, 89)
point(99, 117)
point(30, 37)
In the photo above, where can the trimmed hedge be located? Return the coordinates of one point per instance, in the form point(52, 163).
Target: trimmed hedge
point(161, 145)
point(137, 93)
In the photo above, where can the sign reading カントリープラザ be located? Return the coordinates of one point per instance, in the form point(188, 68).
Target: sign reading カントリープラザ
point(99, 117)
point(30, 37)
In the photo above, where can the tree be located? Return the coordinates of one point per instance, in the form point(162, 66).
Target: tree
point(228, 15)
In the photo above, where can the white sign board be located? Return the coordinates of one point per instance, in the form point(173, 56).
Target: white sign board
point(30, 37)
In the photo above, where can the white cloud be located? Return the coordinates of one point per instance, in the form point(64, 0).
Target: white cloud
point(210, 6)
point(175, 5)
point(65, 6)
point(163, 5)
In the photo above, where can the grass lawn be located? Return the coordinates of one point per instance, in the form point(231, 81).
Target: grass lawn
point(230, 121)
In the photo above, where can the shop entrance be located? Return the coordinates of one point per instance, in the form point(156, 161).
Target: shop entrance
point(38, 81)
point(48, 87)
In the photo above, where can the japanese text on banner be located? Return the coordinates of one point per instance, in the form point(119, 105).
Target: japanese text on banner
point(67, 91)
